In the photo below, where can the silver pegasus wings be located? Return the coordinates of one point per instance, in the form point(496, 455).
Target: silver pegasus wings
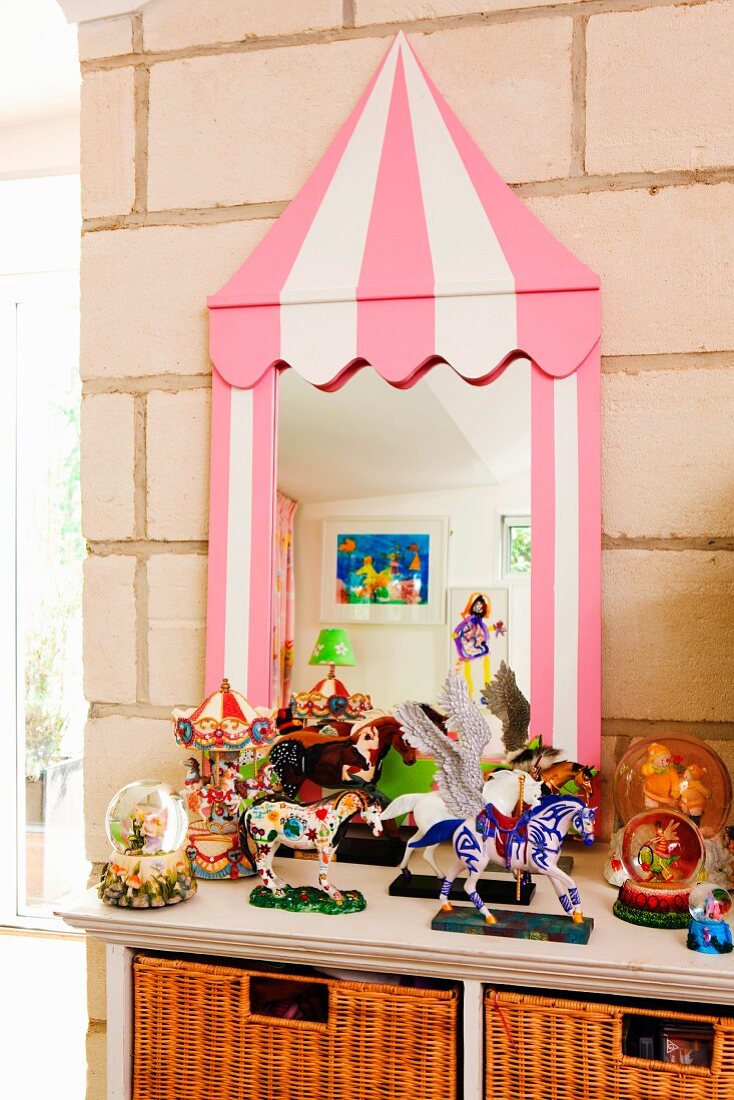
point(459, 773)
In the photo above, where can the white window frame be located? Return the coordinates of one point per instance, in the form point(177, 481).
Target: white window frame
point(508, 520)
point(16, 290)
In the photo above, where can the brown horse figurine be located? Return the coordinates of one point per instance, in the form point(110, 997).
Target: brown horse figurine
point(355, 757)
point(556, 775)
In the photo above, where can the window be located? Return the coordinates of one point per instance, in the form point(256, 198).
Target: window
point(515, 547)
point(41, 553)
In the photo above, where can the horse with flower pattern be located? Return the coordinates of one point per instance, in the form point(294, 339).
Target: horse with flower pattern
point(272, 821)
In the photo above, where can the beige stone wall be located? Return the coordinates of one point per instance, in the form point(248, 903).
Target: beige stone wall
point(613, 120)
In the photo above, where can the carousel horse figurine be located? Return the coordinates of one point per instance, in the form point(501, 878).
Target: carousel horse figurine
point(331, 762)
point(501, 790)
point(272, 821)
point(193, 784)
point(555, 777)
point(544, 762)
point(531, 843)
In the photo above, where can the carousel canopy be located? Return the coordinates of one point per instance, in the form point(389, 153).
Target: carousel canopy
point(224, 722)
point(329, 699)
point(403, 248)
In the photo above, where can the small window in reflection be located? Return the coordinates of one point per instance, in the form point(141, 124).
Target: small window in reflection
point(515, 547)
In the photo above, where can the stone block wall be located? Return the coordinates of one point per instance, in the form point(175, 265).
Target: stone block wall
point(201, 119)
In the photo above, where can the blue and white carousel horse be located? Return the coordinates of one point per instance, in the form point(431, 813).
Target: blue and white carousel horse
point(480, 832)
point(530, 843)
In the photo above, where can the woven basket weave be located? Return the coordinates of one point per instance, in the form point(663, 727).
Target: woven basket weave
point(547, 1049)
point(196, 1038)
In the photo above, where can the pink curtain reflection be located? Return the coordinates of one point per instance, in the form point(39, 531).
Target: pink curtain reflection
point(285, 601)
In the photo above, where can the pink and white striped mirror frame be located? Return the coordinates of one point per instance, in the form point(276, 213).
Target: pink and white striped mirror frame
point(403, 249)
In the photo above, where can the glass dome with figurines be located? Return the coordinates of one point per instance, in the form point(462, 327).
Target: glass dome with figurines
point(146, 818)
point(674, 772)
point(662, 849)
point(709, 902)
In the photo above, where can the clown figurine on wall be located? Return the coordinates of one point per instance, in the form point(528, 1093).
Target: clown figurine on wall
point(471, 638)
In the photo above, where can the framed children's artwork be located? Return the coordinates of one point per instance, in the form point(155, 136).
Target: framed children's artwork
point(384, 570)
point(478, 633)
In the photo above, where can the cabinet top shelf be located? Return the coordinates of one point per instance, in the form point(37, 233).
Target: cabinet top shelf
point(393, 935)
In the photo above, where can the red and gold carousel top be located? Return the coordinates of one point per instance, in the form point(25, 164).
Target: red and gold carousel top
point(329, 698)
point(224, 722)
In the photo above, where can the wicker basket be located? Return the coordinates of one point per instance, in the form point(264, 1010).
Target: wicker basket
point(196, 1038)
point(551, 1049)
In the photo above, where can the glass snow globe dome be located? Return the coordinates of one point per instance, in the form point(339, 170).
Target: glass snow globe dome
point(674, 772)
point(662, 849)
point(146, 818)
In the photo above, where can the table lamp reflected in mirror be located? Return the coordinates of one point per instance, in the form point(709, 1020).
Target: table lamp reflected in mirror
point(332, 648)
point(329, 699)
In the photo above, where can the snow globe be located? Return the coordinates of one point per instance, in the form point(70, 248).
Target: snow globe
point(678, 773)
point(673, 772)
point(146, 824)
point(708, 931)
point(662, 855)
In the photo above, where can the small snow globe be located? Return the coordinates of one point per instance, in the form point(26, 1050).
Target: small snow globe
point(674, 772)
point(708, 931)
point(662, 854)
point(146, 824)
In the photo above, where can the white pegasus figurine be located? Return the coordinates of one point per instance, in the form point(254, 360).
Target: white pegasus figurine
point(479, 831)
point(501, 790)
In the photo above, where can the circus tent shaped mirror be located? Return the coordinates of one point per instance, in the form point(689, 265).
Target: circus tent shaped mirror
point(405, 256)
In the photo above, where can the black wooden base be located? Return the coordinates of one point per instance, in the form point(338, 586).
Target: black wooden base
point(500, 891)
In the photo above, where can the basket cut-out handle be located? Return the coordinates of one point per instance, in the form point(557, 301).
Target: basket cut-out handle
point(713, 1069)
point(265, 990)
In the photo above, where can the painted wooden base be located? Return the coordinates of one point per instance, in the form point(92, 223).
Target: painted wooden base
point(499, 891)
point(519, 926)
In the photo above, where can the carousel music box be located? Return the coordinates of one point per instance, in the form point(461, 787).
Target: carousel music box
point(146, 825)
point(228, 731)
point(662, 855)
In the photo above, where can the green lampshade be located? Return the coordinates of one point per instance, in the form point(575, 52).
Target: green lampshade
point(332, 648)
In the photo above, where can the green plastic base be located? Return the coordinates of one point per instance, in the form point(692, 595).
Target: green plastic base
point(306, 899)
point(650, 920)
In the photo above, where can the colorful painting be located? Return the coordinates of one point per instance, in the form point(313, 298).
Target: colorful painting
point(384, 571)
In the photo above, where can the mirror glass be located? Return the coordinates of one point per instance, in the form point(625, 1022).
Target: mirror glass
point(397, 510)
